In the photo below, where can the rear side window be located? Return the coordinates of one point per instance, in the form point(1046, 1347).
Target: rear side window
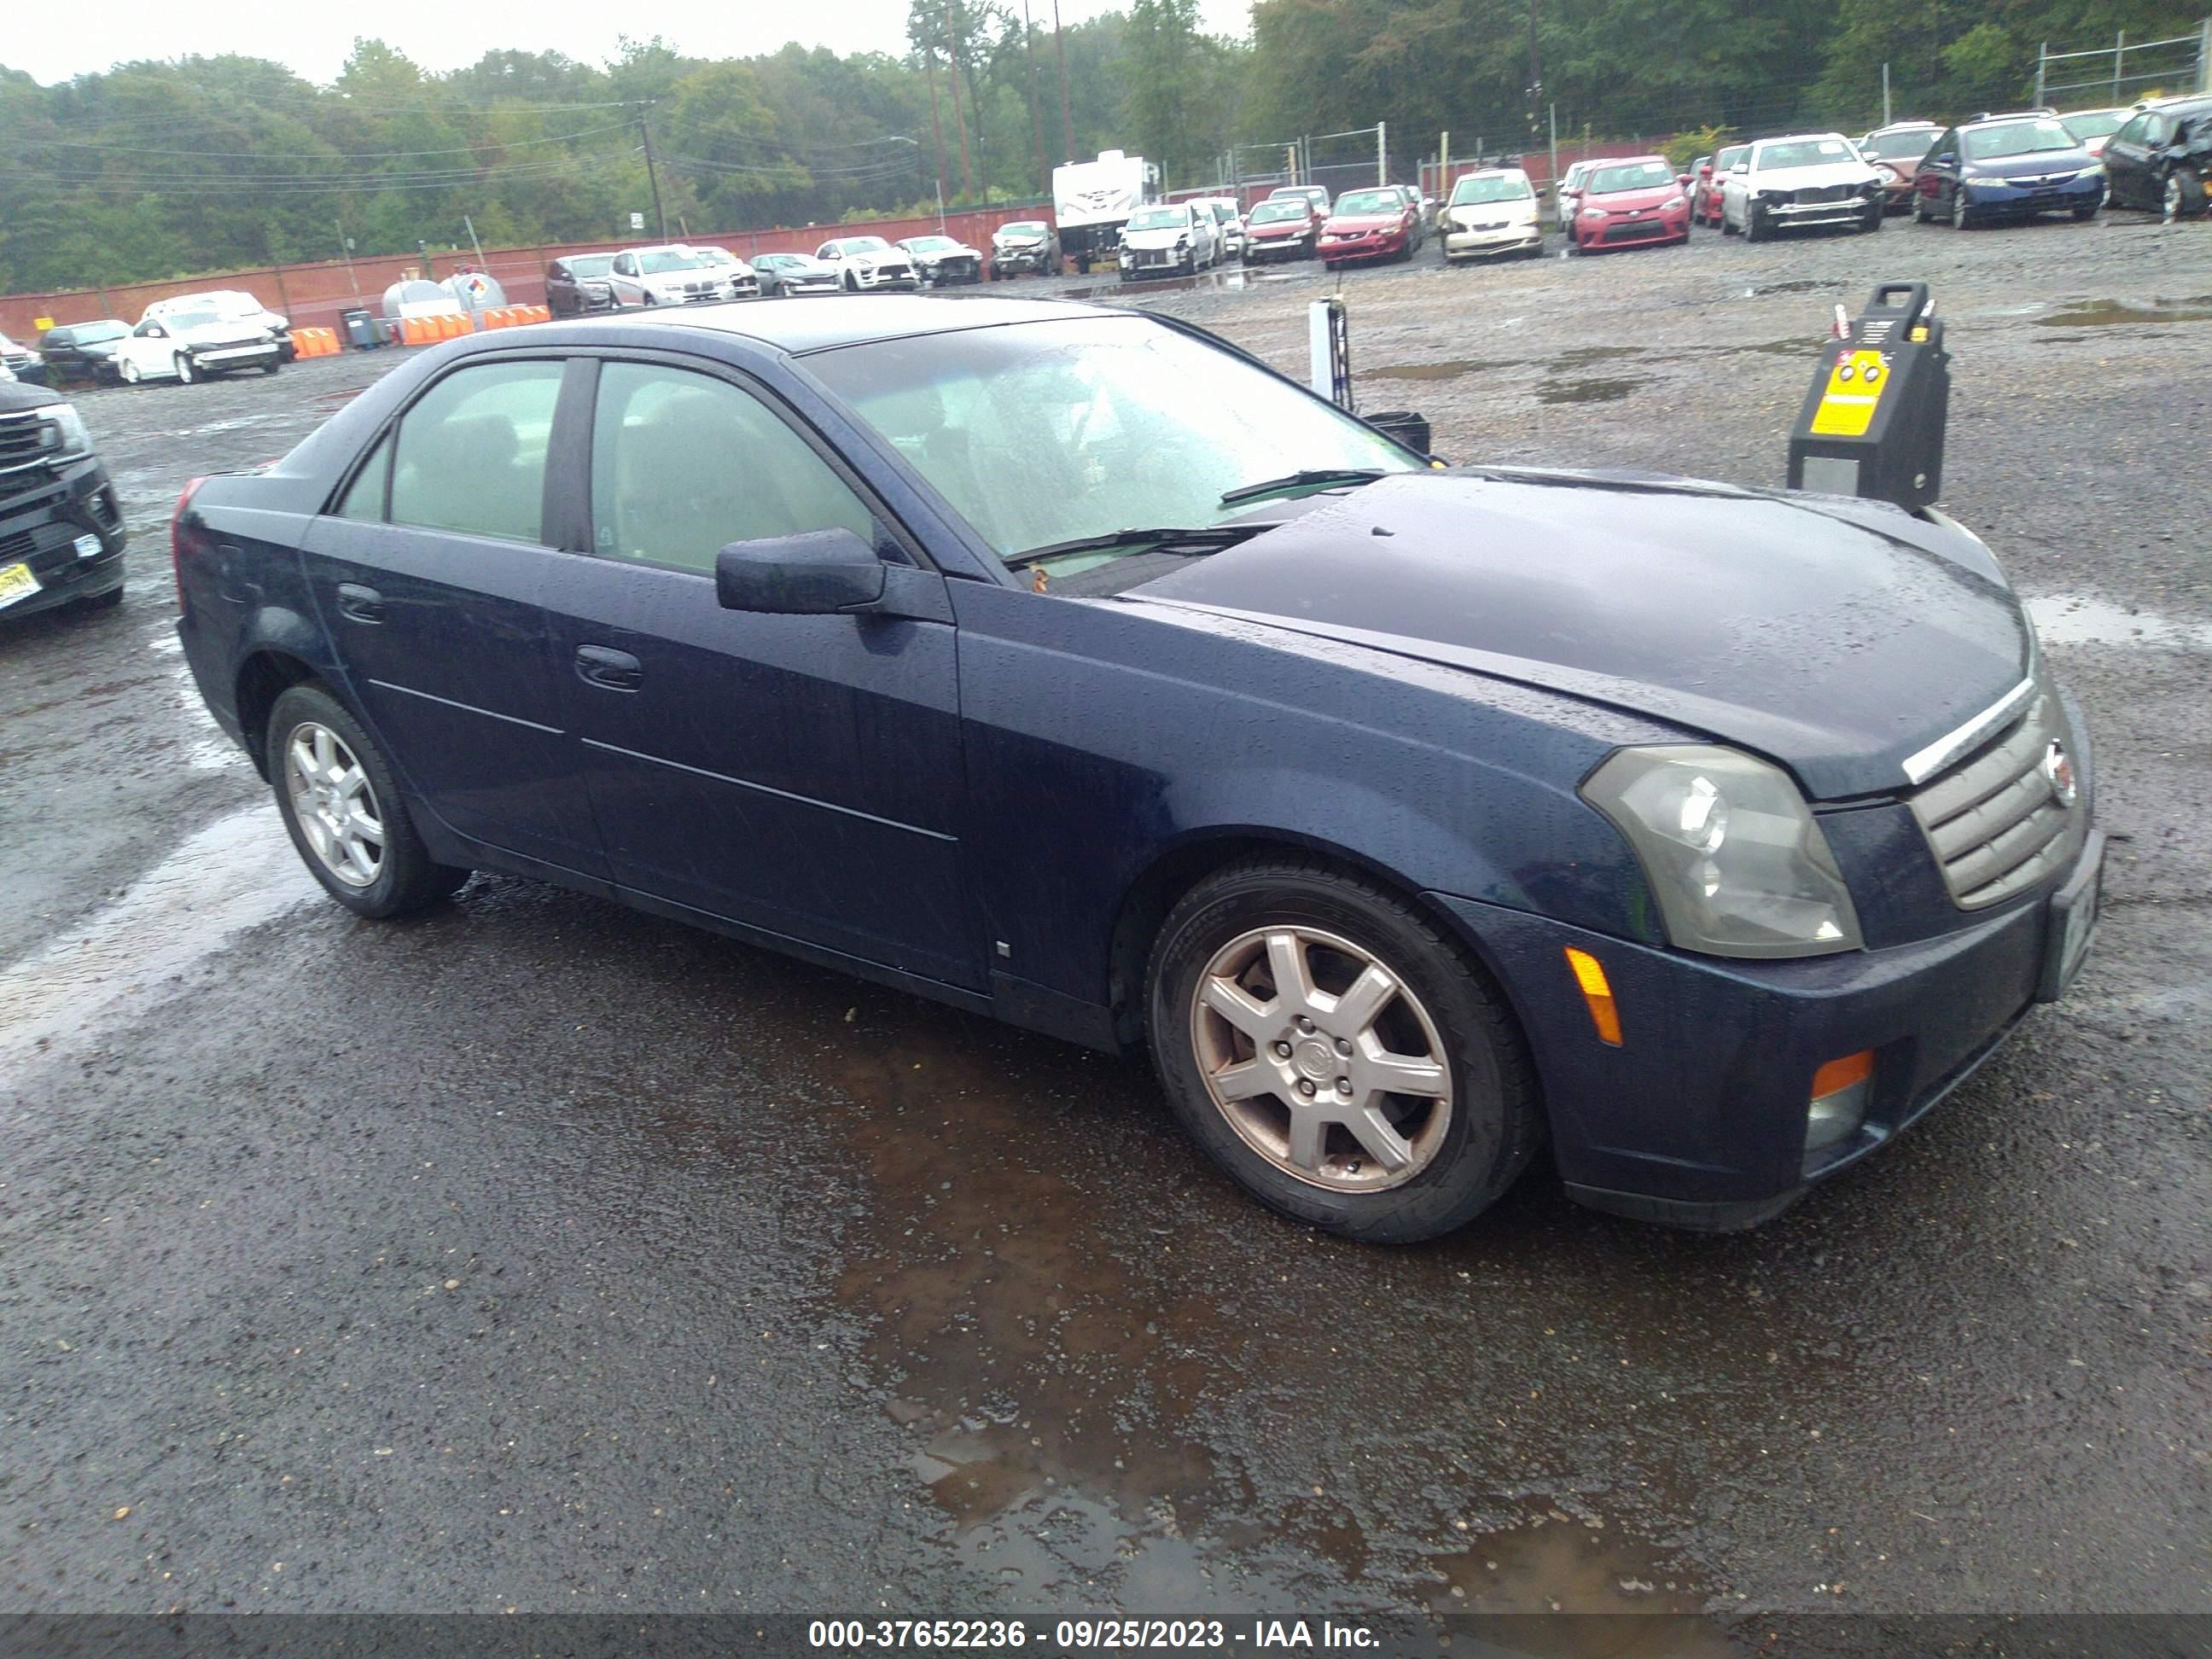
point(683, 465)
point(472, 453)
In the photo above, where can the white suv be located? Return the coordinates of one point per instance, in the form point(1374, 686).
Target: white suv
point(671, 274)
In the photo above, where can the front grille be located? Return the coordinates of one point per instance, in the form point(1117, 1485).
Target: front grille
point(1825, 193)
point(1635, 230)
point(1995, 820)
point(24, 439)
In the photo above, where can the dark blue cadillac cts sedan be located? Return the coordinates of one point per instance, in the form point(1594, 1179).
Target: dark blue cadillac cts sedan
point(1069, 665)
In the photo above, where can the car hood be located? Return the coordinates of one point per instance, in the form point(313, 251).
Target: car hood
point(1026, 239)
point(1353, 224)
point(1278, 228)
point(1490, 213)
point(229, 331)
point(2039, 164)
point(1828, 173)
point(1156, 238)
point(16, 397)
point(939, 255)
point(1836, 636)
point(1627, 200)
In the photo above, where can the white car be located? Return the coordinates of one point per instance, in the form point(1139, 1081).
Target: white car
point(669, 274)
point(943, 261)
point(1568, 197)
point(868, 264)
point(1170, 239)
point(1811, 179)
point(180, 340)
point(1229, 220)
point(1491, 212)
point(744, 283)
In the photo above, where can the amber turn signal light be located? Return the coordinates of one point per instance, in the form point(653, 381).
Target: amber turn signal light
point(1598, 992)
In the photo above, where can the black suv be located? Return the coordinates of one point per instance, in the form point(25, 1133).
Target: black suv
point(82, 352)
point(61, 529)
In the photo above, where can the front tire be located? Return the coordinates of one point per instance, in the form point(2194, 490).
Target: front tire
point(129, 372)
point(2182, 196)
point(1962, 216)
point(1336, 1054)
point(342, 806)
point(1754, 225)
point(184, 362)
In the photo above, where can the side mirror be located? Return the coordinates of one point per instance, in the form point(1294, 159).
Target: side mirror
point(815, 574)
point(1682, 179)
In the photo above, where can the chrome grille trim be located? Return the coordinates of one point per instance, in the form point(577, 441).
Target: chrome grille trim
point(1923, 764)
point(1995, 823)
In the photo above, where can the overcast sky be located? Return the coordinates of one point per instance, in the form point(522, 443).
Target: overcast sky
point(313, 39)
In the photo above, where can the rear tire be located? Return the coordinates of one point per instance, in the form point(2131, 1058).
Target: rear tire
point(1422, 1162)
point(393, 873)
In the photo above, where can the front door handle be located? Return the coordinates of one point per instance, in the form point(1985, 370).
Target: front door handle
point(358, 603)
point(608, 669)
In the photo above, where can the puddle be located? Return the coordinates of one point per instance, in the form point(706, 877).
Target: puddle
point(2079, 619)
point(1586, 392)
point(1557, 1563)
point(1802, 285)
point(2119, 314)
point(1435, 371)
point(238, 871)
point(1584, 356)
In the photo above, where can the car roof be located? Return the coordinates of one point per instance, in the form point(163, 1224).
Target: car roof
point(854, 319)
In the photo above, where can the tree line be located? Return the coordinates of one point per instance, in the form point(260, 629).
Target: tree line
point(151, 170)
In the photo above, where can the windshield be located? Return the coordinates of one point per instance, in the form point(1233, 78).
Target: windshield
point(1268, 212)
point(177, 320)
point(1043, 433)
point(862, 244)
point(1160, 218)
point(1728, 157)
point(1502, 188)
point(930, 243)
point(1805, 153)
point(1369, 200)
point(2018, 139)
point(1638, 175)
point(718, 256)
point(92, 333)
point(1025, 228)
point(594, 265)
point(655, 264)
point(1899, 146)
point(2094, 124)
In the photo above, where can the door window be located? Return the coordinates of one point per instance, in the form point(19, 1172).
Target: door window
point(471, 455)
point(683, 465)
point(364, 496)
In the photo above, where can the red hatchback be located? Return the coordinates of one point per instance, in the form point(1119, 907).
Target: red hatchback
point(1370, 224)
point(1625, 203)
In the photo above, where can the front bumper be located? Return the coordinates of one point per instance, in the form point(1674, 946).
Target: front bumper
point(1260, 249)
point(1699, 1118)
point(1990, 198)
point(42, 525)
point(1498, 239)
point(1848, 211)
point(219, 358)
point(1624, 231)
point(1015, 260)
point(1365, 247)
point(870, 280)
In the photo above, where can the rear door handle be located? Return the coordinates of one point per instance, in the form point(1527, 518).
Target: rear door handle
point(361, 604)
point(608, 669)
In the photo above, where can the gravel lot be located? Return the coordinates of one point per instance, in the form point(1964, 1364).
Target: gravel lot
point(540, 1254)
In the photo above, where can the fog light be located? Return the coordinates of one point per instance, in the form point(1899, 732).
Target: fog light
point(88, 547)
point(1839, 1101)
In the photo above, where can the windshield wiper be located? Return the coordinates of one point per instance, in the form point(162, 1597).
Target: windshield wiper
point(1213, 537)
point(1308, 475)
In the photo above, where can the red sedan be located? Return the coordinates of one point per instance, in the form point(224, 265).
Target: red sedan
point(1705, 192)
point(1370, 224)
point(1626, 202)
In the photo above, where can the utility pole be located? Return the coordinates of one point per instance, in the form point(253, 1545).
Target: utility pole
point(959, 119)
point(1443, 164)
point(1885, 91)
point(1381, 155)
point(1036, 121)
point(1535, 73)
point(936, 125)
point(1067, 121)
point(652, 177)
point(2042, 63)
point(2120, 51)
point(1555, 151)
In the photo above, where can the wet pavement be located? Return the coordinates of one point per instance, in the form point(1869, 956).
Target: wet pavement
point(534, 1254)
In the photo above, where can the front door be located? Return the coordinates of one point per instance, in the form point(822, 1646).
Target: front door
point(798, 774)
point(426, 579)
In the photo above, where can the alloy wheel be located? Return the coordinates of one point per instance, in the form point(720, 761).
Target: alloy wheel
point(1321, 1058)
point(184, 369)
point(129, 371)
point(2169, 201)
point(334, 803)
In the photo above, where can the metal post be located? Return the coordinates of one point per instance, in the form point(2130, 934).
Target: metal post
point(1381, 154)
point(652, 177)
point(2120, 51)
point(1067, 121)
point(1443, 164)
point(2204, 56)
point(1885, 95)
point(1555, 153)
point(345, 251)
point(2042, 65)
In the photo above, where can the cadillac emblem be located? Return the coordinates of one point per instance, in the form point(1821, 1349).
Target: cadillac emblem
point(2057, 770)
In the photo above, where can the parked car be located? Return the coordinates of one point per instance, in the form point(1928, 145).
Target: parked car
point(944, 260)
point(1896, 152)
point(233, 305)
point(1493, 211)
point(1168, 239)
point(1281, 227)
point(22, 363)
point(2008, 167)
point(577, 284)
point(2161, 158)
point(787, 275)
point(744, 283)
point(869, 264)
point(1370, 224)
point(1570, 187)
point(82, 353)
point(1312, 195)
point(1810, 179)
point(1024, 244)
point(1706, 191)
point(1402, 851)
point(667, 274)
point(1229, 221)
point(1639, 201)
point(177, 342)
point(2094, 127)
point(61, 526)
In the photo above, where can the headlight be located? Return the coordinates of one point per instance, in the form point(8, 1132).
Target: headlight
point(1733, 853)
point(1673, 201)
point(1593, 213)
point(70, 439)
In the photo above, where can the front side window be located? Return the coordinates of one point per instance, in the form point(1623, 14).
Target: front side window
point(472, 452)
point(683, 465)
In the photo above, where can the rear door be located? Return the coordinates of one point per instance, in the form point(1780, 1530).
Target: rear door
point(427, 576)
point(801, 775)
